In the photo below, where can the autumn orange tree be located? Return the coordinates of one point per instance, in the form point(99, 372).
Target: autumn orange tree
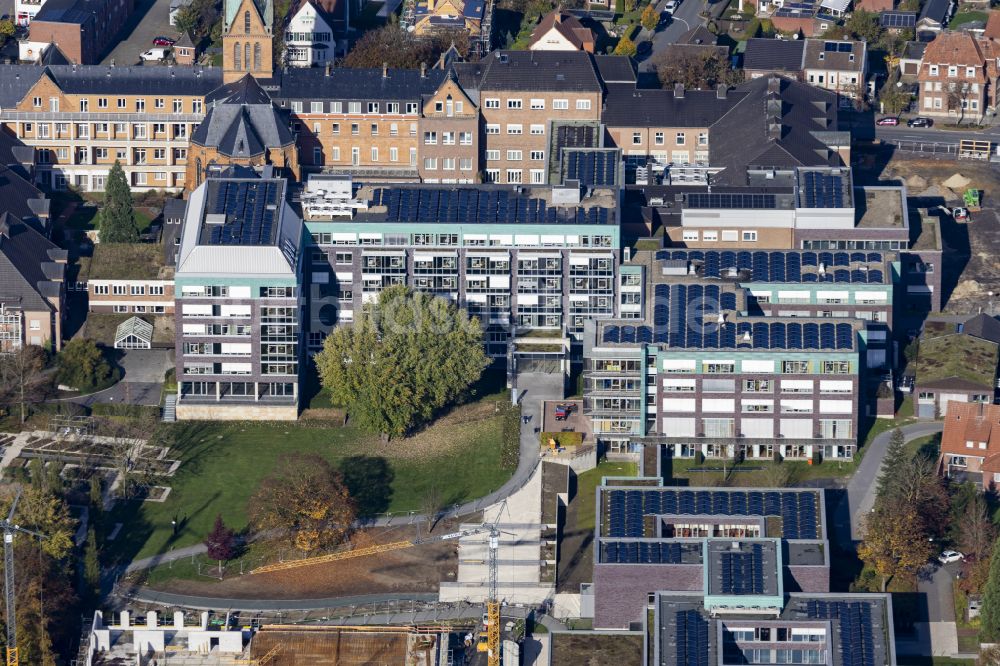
point(894, 542)
point(304, 504)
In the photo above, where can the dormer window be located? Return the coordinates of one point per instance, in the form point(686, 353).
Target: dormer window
point(821, 56)
point(933, 70)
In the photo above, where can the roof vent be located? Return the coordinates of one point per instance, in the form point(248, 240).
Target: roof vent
point(215, 218)
point(678, 91)
point(721, 90)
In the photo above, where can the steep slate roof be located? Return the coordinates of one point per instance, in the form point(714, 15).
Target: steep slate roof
point(25, 264)
point(571, 71)
point(265, 7)
point(54, 56)
point(934, 10)
point(779, 127)
point(184, 42)
point(774, 55)
point(345, 83)
point(244, 91)
point(628, 106)
point(566, 25)
point(838, 60)
point(615, 69)
point(984, 327)
point(258, 126)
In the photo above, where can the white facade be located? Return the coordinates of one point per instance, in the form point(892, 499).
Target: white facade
point(25, 10)
point(309, 39)
point(553, 40)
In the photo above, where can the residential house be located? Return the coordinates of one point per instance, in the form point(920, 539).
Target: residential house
point(83, 29)
point(836, 65)
point(698, 42)
point(184, 50)
point(992, 30)
point(472, 16)
point(970, 444)
point(910, 59)
point(312, 31)
point(933, 17)
point(958, 76)
point(558, 31)
point(32, 289)
point(763, 57)
point(953, 366)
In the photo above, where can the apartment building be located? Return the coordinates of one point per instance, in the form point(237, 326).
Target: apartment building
point(381, 124)
point(128, 278)
point(521, 259)
point(958, 76)
point(32, 289)
point(523, 96)
point(80, 120)
point(238, 302)
point(83, 29)
point(837, 65)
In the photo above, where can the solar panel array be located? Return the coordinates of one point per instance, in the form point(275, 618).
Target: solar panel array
point(898, 19)
point(837, 47)
point(641, 552)
point(728, 200)
point(592, 167)
point(857, 640)
point(822, 190)
point(469, 205)
point(626, 509)
point(790, 267)
point(250, 209)
point(743, 573)
point(686, 316)
point(692, 638)
point(576, 136)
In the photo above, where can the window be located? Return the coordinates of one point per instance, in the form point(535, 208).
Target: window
point(36, 102)
point(680, 138)
point(412, 108)
point(794, 367)
point(636, 138)
point(970, 72)
point(538, 129)
point(393, 129)
point(354, 107)
point(514, 104)
point(246, 22)
point(178, 105)
point(952, 70)
point(493, 175)
point(394, 154)
point(514, 155)
point(122, 103)
point(140, 105)
point(430, 163)
point(447, 138)
point(492, 155)
point(101, 290)
point(448, 163)
point(372, 107)
point(560, 104)
point(836, 367)
point(710, 236)
point(392, 107)
point(537, 104)
point(317, 155)
point(492, 129)
point(690, 235)
point(355, 129)
point(465, 164)
point(658, 138)
point(430, 138)
point(537, 155)
point(84, 105)
point(492, 103)
point(720, 368)
point(513, 175)
point(196, 106)
point(138, 290)
point(465, 138)
point(703, 139)
point(155, 290)
point(513, 129)
point(583, 105)
point(159, 153)
point(537, 176)
point(374, 153)
point(749, 236)
point(159, 103)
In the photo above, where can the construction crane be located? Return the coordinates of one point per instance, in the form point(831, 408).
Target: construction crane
point(9, 528)
point(492, 601)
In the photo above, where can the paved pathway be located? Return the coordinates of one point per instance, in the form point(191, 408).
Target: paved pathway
point(684, 18)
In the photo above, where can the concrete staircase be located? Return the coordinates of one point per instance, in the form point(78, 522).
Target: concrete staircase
point(170, 408)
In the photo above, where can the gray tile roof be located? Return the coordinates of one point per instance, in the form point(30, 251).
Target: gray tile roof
point(934, 10)
point(569, 71)
point(628, 106)
point(344, 83)
point(242, 129)
point(844, 56)
point(983, 326)
point(24, 263)
point(615, 69)
point(774, 55)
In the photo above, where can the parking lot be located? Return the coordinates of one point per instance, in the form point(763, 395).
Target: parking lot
point(151, 19)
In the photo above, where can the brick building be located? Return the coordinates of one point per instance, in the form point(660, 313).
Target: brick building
point(82, 29)
point(32, 288)
point(970, 444)
point(958, 76)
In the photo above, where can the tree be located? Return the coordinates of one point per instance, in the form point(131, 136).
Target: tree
point(989, 614)
point(7, 29)
point(82, 365)
point(117, 219)
point(864, 25)
point(220, 542)
point(895, 456)
point(625, 46)
point(304, 504)
point(92, 564)
point(392, 46)
point(650, 18)
point(405, 358)
point(630, 5)
point(700, 69)
point(894, 543)
point(42, 511)
point(21, 381)
point(125, 439)
point(430, 505)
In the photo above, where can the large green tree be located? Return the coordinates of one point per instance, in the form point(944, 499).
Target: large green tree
point(82, 365)
point(989, 614)
point(406, 357)
point(117, 218)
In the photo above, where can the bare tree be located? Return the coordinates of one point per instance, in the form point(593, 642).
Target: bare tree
point(126, 435)
point(21, 380)
point(976, 530)
point(430, 506)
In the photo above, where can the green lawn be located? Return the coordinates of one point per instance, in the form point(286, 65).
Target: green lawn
point(928, 446)
point(968, 17)
point(586, 487)
point(224, 463)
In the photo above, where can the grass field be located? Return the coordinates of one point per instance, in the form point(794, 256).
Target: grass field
point(586, 486)
point(222, 465)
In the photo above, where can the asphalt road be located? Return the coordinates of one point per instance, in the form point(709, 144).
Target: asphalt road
point(934, 135)
point(685, 17)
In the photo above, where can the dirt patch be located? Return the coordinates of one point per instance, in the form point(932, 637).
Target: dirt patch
point(417, 569)
point(595, 650)
point(449, 433)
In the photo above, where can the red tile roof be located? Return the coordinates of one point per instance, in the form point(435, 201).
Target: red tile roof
point(972, 422)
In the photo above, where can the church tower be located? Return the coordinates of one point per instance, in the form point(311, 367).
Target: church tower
point(246, 39)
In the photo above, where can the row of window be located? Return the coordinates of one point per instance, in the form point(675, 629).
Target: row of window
point(471, 240)
point(121, 130)
point(535, 176)
point(516, 155)
point(535, 104)
point(388, 108)
point(138, 309)
point(447, 138)
point(128, 290)
point(712, 235)
point(659, 138)
point(953, 70)
point(515, 129)
point(755, 386)
point(159, 104)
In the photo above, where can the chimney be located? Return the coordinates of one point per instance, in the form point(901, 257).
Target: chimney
point(774, 85)
point(329, 67)
point(423, 70)
point(678, 91)
point(385, 70)
point(721, 90)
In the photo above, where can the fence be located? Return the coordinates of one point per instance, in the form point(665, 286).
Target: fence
point(928, 148)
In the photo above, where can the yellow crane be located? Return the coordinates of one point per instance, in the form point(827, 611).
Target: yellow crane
point(492, 602)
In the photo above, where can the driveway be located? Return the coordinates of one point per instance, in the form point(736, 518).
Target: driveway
point(150, 19)
point(936, 633)
point(142, 379)
point(684, 18)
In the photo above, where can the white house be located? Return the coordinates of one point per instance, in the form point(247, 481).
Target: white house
point(25, 10)
point(311, 35)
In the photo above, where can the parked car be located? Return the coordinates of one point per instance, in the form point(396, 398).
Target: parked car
point(960, 214)
point(919, 121)
point(891, 121)
point(949, 556)
point(671, 6)
point(154, 54)
point(163, 41)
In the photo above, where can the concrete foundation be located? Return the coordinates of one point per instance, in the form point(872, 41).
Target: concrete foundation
point(236, 412)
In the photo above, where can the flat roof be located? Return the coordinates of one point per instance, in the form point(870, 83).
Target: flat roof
point(879, 208)
point(242, 212)
point(125, 261)
point(743, 567)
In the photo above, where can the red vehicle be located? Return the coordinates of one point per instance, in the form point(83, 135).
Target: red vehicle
point(888, 120)
point(163, 41)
